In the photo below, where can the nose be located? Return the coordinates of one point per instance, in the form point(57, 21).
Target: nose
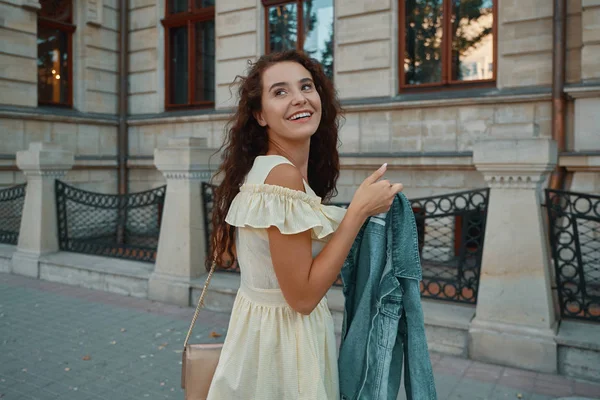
point(298, 98)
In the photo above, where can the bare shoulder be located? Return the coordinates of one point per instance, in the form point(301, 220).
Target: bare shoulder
point(286, 175)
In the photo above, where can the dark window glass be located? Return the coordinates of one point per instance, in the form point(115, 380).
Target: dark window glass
point(53, 66)
point(179, 64)
point(54, 37)
point(205, 3)
point(205, 55)
point(190, 46)
point(178, 6)
point(423, 41)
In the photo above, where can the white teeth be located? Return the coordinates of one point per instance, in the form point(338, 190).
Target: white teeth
point(295, 117)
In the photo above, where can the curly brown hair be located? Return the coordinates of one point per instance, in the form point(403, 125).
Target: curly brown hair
point(246, 139)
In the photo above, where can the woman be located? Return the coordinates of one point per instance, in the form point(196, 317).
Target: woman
point(280, 161)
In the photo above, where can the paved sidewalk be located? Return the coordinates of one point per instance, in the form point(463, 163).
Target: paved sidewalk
point(64, 342)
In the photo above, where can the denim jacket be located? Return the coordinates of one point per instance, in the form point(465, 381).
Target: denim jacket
point(383, 325)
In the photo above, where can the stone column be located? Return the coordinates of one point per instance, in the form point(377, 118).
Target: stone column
point(515, 323)
point(42, 164)
point(181, 246)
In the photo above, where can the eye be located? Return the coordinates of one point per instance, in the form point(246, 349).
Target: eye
point(279, 92)
point(307, 86)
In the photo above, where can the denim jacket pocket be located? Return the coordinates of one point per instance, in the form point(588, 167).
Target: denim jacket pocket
point(390, 310)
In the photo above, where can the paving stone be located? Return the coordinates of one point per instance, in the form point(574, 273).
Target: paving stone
point(507, 393)
point(541, 397)
point(587, 389)
point(472, 390)
point(47, 327)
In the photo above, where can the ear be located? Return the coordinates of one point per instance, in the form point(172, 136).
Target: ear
point(259, 118)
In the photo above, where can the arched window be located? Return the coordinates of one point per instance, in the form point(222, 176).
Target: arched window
point(55, 53)
point(189, 53)
point(301, 24)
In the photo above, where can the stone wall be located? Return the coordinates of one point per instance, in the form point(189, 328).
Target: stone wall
point(85, 138)
point(365, 48)
point(590, 54)
point(366, 40)
point(147, 135)
point(240, 38)
point(525, 42)
point(96, 57)
point(93, 141)
point(18, 54)
point(146, 57)
point(427, 128)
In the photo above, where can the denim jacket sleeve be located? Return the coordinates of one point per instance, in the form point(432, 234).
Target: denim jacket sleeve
point(383, 325)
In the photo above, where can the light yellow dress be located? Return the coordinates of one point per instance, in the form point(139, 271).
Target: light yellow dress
point(272, 352)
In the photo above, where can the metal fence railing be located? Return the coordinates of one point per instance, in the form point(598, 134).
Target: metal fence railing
point(12, 200)
point(451, 230)
point(123, 226)
point(574, 222)
point(451, 233)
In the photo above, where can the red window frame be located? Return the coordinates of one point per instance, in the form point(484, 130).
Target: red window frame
point(188, 18)
point(63, 23)
point(446, 82)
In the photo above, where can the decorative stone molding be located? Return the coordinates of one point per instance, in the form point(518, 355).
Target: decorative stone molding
point(45, 159)
point(201, 176)
point(93, 12)
point(45, 174)
point(515, 163)
point(32, 5)
point(512, 181)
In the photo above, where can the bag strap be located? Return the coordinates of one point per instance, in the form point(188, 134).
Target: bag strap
point(200, 303)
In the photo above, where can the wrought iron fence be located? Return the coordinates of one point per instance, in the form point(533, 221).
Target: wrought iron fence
point(11, 210)
point(451, 232)
point(574, 221)
point(123, 226)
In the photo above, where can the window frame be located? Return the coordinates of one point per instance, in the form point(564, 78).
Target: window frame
point(267, 4)
point(188, 19)
point(446, 82)
point(69, 28)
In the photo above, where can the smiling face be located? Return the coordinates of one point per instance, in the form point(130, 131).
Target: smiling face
point(291, 105)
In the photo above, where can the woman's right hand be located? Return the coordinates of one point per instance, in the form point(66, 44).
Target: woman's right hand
point(374, 196)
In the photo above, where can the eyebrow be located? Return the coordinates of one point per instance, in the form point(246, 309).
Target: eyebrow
point(285, 84)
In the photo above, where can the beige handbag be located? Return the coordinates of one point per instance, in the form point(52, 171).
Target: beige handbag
point(199, 361)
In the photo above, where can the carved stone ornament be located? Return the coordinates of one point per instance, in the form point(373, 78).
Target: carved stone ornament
point(93, 12)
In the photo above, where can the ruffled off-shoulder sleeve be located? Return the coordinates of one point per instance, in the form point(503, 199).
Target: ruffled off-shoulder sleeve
point(291, 211)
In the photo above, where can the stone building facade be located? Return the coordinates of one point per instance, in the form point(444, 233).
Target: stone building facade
point(426, 136)
point(486, 74)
